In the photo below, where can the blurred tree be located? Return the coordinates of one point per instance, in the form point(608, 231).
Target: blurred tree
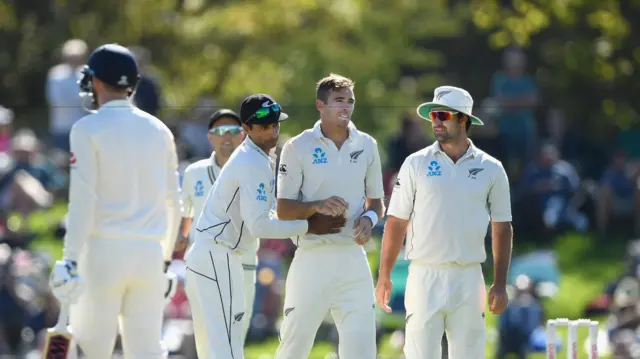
point(229, 49)
point(586, 53)
point(396, 51)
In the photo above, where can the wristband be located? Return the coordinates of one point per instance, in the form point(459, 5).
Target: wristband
point(372, 216)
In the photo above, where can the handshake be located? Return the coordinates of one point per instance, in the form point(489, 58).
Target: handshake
point(330, 217)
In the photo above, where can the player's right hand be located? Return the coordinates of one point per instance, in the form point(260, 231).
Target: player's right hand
point(383, 293)
point(322, 224)
point(65, 283)
point(332, 206)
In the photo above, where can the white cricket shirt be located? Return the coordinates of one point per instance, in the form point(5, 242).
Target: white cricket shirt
point(312, 168)
point(449, 205)
point(198, 180)
point(124, 180)
point(237, 209)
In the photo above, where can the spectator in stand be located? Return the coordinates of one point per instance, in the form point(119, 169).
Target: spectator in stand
point(148, 96)
point(516, 93)
point(25, 154)
point(618, 196)
point(61, 90)
point(6, 129)
point(523, 315)
point(411, 138)
point(553, 182)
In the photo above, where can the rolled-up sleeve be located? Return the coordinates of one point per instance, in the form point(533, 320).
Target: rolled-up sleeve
point(289, 173)
point(402, 197)
point(374, 187)
point(500, 197)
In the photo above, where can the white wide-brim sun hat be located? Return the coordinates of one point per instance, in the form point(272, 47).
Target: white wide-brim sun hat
point(452, 98)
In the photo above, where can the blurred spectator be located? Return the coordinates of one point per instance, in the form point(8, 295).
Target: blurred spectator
point(553, 182)
point(25, 154)
point(564, 138)
point(411, 138)
point(618, 196)
point(487, 137)
point(516, 93)
point(198, 146)
point(26, 194)
point(523, 315)
point(6, 129)
point(148, 95)
point(62, 92)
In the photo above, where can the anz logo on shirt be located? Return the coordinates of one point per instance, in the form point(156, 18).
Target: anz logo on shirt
point(198, 189)
point(434, 169)
point(319, 156)
point(262, 193)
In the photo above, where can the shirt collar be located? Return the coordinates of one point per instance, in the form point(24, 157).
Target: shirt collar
point(272, 154)
point(214, 163)
point(317, 131)
point(472, 151)
point(117, 103)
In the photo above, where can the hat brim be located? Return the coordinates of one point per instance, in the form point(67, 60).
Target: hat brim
point(269, 119)
point(425, 108)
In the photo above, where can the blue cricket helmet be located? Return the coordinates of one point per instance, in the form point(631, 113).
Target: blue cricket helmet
point(112, 64)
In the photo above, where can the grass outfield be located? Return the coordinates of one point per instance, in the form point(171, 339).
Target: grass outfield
point(587, 265)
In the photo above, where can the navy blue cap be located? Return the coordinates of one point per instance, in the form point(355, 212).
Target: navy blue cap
point(253, 103)
point(225, 112)
point(114, 65)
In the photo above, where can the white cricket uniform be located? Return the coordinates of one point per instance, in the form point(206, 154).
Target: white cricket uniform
point(124, 210)
point(236, 212)
point(198, 179)
point(449, 206)
point(330, 272)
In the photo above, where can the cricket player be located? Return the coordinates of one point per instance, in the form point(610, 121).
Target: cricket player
point(124, 210)
point(444, 197)
point(235, 213)
point(331, 169)
point(225, 135)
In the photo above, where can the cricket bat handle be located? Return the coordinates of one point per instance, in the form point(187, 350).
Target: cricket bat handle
point(63, 318)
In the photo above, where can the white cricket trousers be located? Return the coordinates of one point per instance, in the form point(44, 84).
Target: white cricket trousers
point(249, 297)
point(123, 281)
point(214, 285)
point(446, 298)
point(334, 278)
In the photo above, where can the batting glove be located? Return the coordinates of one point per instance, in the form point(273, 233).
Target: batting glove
point(172, 283)
point(65, 282)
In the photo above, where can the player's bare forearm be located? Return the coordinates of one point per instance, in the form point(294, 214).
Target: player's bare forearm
point(289, 209)
point(394, 230)
point(376, 205)
point(501, 243)
point(185, 226)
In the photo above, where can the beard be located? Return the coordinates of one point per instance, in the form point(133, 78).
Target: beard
point(446, 136)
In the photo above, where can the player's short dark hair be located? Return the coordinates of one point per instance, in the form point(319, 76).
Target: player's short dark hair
point(467, 122)
point(331, 83)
